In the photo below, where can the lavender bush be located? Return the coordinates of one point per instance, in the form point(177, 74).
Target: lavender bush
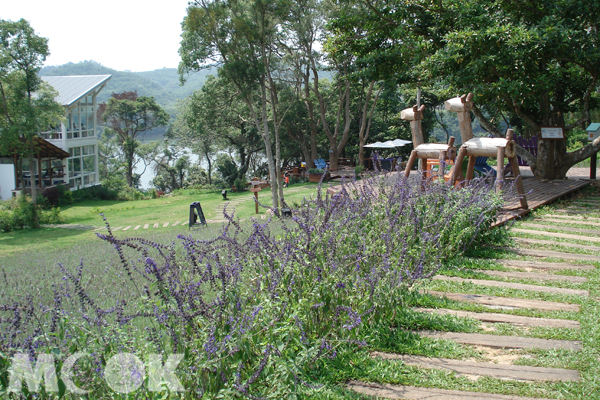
point(253, 308)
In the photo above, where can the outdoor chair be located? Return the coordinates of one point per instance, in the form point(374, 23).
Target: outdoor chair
point(483, 168)
point(321, 164)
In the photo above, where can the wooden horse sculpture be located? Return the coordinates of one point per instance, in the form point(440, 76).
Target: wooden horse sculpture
point(440, 151)
point(498, 148)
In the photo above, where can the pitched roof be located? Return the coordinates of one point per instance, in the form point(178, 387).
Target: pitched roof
point(593, 127)
point(72, 88)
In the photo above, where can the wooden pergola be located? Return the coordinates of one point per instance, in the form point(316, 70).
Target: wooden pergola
point(45, 152)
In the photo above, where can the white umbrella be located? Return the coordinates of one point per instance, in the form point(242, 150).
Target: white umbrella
point(399, 142)
point(390, 144)
point(380, 145)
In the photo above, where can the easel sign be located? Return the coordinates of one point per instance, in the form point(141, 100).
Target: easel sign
point(196, 207)
point(552, 133)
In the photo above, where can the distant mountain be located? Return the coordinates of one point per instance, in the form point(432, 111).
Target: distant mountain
point(163, 84)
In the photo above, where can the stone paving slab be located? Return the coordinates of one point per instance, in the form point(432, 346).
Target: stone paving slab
point(503, 342)
point(511, 285)
point(535, 275)
point(557, 235)
point(146, 226)
point(563, 228)
point(505, 302)
point(418, 393)
point(543, 265)
point(504, 371)
point(553, 243)
point(518, 320)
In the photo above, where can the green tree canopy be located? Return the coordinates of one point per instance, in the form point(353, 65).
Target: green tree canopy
point(128, 115)
point(537, 60)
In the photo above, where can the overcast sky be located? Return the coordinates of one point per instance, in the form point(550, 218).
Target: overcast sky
point(135, 35)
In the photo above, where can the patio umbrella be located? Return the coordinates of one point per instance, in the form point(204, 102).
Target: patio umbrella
point(399, 142)
point(380, 145)
point(390, 144)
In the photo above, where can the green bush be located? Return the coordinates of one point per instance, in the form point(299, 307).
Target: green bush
point(240, 184)
point(316, 171)
point(19, 212)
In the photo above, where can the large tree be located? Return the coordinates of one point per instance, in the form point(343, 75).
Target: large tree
point(128, 116)
point(27, 104)
point(241, 36)
point(537, 60)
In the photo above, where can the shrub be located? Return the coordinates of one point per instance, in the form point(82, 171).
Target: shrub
point(316, 171)
point(253, 311)
point(240, 184)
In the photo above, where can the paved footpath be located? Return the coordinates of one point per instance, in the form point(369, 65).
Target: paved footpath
point(548, 236)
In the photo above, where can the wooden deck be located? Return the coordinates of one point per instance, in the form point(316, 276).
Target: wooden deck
point(538, 193)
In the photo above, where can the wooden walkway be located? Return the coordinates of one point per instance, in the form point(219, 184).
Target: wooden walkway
point(539, 193)
point(501, 350)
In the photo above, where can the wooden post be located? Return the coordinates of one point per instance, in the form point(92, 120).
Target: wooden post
point(457, 165)
point(499, 169)
point(470, 168)
point(256, 202)
point(551, 147)
point(519, 182)
point(462, 106)
point(410, 163)
point(593, 166)
point(39, 171)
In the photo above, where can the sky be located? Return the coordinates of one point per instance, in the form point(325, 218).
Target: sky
point(134, 35)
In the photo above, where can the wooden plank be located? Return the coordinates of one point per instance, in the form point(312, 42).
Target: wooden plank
point(503, 371)
point(127, 228)
point(506, 302)
point(155, 226)
point(538, 194)
point(496, 318)
point(176, 223)
point(146, 226)
point(551, 253)
point(574, 219)
point(557, 235)
point(165, 224)
point(137, 227)
point(576, 211)
point(569, 221)
point(512, 285)
point(543, 265)
point(503, 342)
point(535, 275)
point(396, 392)
point(115, 229)
point(563, 228)
point(553, 243)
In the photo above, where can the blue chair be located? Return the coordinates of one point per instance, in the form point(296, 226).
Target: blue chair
point(482, 167)
point(321, 164)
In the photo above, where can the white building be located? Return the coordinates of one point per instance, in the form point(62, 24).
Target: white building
point(77, 135)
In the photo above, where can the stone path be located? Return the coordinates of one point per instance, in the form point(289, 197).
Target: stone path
point(568, 229)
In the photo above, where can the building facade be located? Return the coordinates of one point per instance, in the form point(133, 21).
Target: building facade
point(77, 135)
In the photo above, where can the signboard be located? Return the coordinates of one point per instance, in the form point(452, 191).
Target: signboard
point(255, 183)
point(195, 207)
point(255, 190)
point(552, 133)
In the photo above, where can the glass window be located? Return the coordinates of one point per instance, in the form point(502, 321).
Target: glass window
point(69, 135)
point(75, 121)
point(90, 120)
point(89, 164)
point(75, 151)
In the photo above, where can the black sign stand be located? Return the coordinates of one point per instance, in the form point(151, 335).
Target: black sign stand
point(196, 207)
point(593, 166)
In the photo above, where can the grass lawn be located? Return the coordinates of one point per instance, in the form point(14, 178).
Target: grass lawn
point(27, 243)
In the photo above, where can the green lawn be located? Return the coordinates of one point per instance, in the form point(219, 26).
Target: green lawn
point(132, 213)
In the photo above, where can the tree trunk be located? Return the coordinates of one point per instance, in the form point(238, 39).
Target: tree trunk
point(209, 168)
point(35, 221)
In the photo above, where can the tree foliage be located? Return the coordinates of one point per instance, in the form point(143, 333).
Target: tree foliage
point(129, 115)
point(536, 60)
point(27, 104)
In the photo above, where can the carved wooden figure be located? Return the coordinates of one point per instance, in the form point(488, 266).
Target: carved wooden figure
point(423, 151)
point(498, 148)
